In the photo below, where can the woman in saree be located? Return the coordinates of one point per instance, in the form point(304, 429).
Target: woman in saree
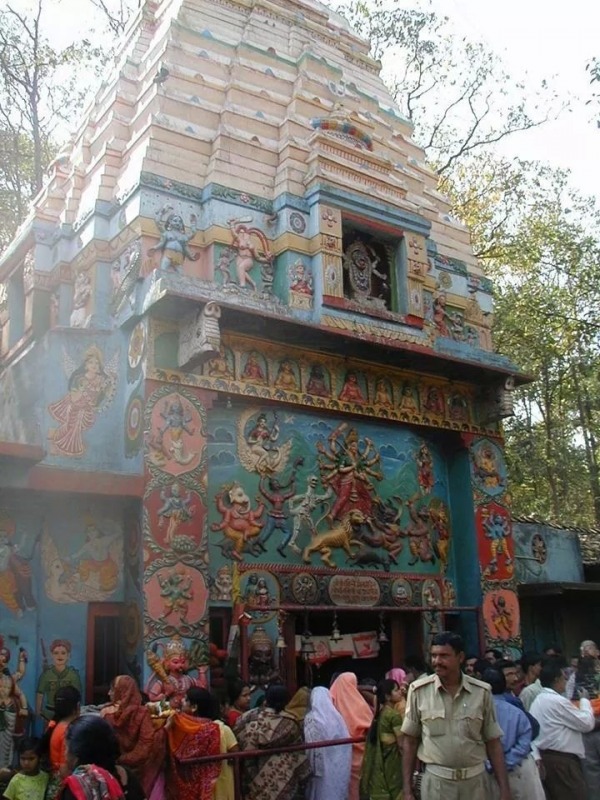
point(358, 718)
point(142, 745)
point(399, 675)
point(278, 776)
point(192, 733)
point(92, 751)
point(381, 775)
point(53, 745)
point(298, 705)
point(330, 766)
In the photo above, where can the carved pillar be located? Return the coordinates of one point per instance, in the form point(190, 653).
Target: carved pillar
point(330, 250)
point(493, 525)
point(175, 584)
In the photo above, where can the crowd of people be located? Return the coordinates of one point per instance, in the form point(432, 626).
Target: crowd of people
point(466, 728)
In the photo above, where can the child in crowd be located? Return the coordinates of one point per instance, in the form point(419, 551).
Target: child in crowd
point(30, 782)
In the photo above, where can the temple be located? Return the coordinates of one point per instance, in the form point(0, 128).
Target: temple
point(250, 406)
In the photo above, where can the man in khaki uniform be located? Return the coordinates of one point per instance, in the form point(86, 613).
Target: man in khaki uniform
point(450, 724)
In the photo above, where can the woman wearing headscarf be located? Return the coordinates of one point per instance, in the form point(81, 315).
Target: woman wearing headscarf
point(193, 733)
point(280, 776)
point(92, 751)
point(358, 718)
point(330, 766)
point(298, 705)
point(142, 745)
point(399, 675)
point(381, 775)
point(53, 745)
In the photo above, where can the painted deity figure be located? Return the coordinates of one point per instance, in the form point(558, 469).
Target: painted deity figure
point(218, 366)
point(385, 528)
point(434, 401)
point(286, 377)
point(257, 593)
point(82, 291)
point(55, 677)
point(382, 393)
point(247, 253)
point(440, 314)
point(497, 530)
point(262, 442)
point(361, 262)
point(347, 469)
point(301, 510)
point(173, 242)
point(486, 468)
point(94, 563)
point(441, 534)
point(170, 680)
point(176, 591)
point(407, 399)
point(425, 469)
point(502, 617)
point(419, 535)
point(351, 390)
point(15, 576)
point(301, 278)
point(90, 390)
point(13, 704)
point(240, 523)
point(177, 422)
point(253, 370)
point(176, 508)
point(317, 383)
point(277, 517)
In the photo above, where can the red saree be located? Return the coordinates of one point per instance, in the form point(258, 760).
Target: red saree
point(192, 737)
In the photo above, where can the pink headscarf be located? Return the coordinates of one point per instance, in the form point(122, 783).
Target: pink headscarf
point(396, 674)
point(351, 704)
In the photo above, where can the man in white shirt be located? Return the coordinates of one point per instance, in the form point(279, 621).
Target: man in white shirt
point(560, 741)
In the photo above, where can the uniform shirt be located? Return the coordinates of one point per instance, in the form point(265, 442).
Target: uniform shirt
point(529, 694)
point(453, 730)
point(562, 723)
point(27, 787)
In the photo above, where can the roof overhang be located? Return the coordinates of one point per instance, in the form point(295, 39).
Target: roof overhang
point(556, 589)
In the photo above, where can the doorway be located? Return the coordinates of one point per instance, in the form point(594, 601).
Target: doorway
point(103, 662)
point(402, 630)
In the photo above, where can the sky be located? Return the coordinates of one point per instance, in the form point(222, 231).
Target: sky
point(536, 39)
point(549, 39)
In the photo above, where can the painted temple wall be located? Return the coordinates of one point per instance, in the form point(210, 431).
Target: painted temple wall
point(58, 554)
point(545, 554)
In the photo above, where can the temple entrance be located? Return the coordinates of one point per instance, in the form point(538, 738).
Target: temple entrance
point(371, 643)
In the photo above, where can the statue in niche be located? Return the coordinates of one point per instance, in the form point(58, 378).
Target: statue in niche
point(351, 390)
point(261, 661)
point(247, 253)
point(361, 262)
point(383, 395)
point(173, 243)
point(286, 377)
point(218, 366)
point(13, 704)
point(317, 382)
point(419, 535)
point(81, 294)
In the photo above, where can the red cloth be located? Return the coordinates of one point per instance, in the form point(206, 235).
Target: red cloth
point(142, 745)
point(192, 737)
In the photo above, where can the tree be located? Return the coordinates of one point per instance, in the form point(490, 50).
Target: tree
point(456, 92)
point(40, 88)
point(548, 293)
